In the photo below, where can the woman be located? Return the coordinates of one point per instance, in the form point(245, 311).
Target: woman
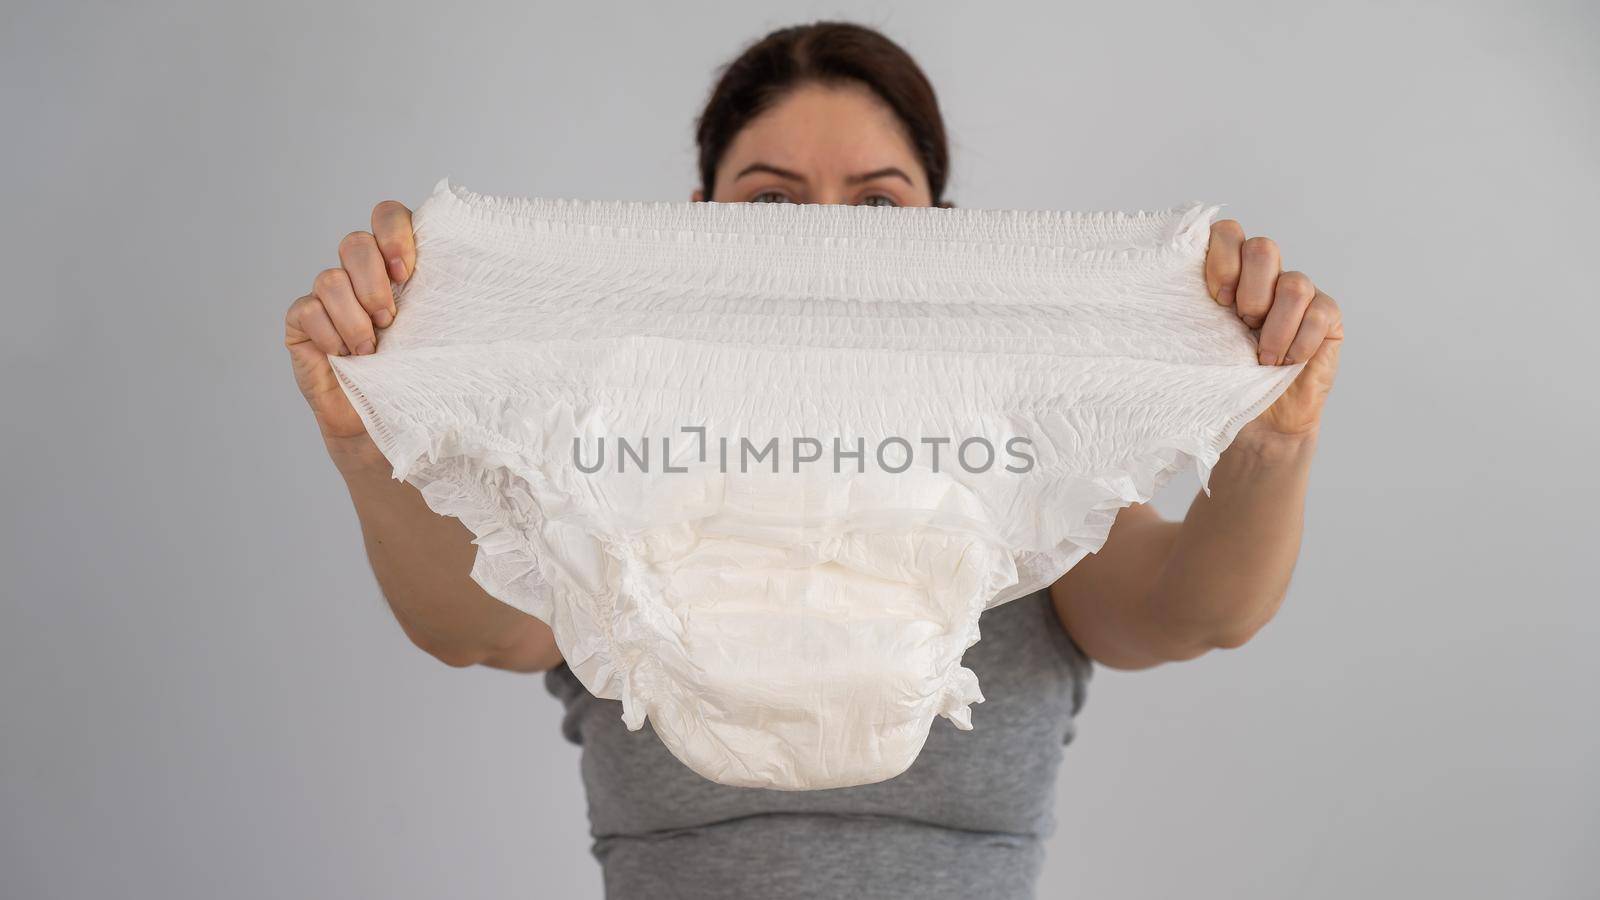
point(835, 113)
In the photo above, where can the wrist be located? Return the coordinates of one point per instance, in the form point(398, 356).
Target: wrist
point(1266, 445)
point(357, 457)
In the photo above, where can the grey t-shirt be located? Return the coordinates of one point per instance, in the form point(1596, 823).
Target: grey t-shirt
point(968, 819)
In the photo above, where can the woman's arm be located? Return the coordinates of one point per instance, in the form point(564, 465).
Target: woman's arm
point(1162, 591)
point(423, 561)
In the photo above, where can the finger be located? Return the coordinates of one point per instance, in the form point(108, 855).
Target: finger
point(333, 288)
point(1289, 302)
point(1222, 260)
point(391, 225)
point(359, 255)
point(1259, 265)
point(1321, 321)
point(308, 317)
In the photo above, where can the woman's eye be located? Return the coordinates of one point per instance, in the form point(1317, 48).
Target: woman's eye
point(878, 200)
point(769, 197)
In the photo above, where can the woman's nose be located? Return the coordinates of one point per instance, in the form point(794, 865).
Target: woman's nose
point(831, 193)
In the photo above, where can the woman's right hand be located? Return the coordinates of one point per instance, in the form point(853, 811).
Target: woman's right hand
point(347, 308)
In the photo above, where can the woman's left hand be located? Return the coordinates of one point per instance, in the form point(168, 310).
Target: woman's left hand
point(1297, 322)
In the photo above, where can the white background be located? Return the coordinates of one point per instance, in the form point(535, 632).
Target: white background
point(202, 693)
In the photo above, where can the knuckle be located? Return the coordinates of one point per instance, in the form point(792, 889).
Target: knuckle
point(1296, 284)
point(1228, 228)
point(1259, 248)
point(330, 279)
point(356, 240)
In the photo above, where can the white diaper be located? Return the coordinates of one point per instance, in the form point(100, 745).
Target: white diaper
point(956, 404)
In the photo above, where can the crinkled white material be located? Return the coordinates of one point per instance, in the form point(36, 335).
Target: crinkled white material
point(794, 630)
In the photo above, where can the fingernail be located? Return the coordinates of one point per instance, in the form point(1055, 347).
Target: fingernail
point(1288, 361)
point(365, 348)
point(1225, 296)
point(1268, 359)
point(382, 318)
point(397, 269)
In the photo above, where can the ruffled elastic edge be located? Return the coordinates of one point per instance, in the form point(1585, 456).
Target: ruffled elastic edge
point(506, 564)
point(1153, 468)
point(1067, 540)
point(504, 558)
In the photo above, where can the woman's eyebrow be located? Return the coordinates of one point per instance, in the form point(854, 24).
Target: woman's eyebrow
point(769, 169)
point(891, 171)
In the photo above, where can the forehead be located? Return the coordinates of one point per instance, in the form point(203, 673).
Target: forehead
point(825, 130)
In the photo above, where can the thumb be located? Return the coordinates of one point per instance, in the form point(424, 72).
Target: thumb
point(1323, 365)
point(320, 386)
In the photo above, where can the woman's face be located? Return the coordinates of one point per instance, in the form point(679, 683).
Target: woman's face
point(823, 144)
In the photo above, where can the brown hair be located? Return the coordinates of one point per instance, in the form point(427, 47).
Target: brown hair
point(825, 52)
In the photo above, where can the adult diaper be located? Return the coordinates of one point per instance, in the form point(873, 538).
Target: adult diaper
point(761, 467)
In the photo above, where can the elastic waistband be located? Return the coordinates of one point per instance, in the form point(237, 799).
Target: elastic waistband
point(818, 245)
